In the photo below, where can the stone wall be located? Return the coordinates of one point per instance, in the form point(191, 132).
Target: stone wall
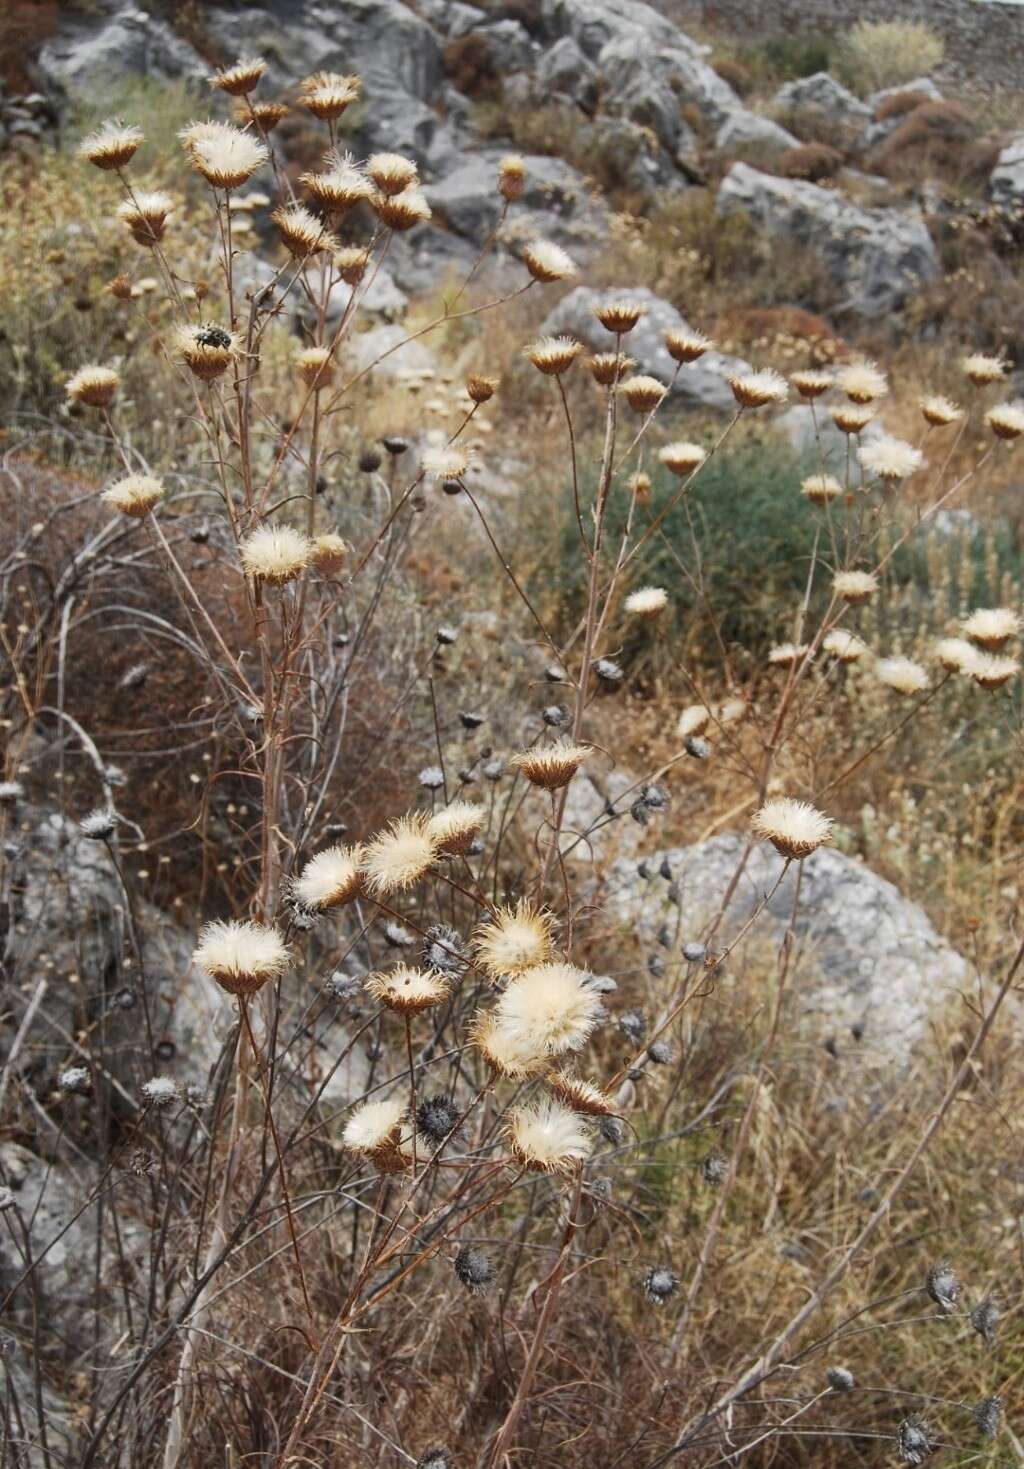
point(984, 40)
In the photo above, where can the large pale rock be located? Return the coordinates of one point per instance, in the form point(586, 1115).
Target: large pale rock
point(566, 72)
point(749, 130)
point(822, 96)
point(879, 255)
point(1008, 175)
point(89, 52)
point(387, 350)
point(869, 963)
point(701, 384)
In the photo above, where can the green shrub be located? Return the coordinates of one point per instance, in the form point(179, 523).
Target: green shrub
point(886, 53)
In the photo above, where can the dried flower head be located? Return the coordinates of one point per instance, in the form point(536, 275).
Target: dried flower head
point(913, 1441)
point(846, 646)
point(756, 389)
point(1006, 421)
point(889, 458)
point(553, 355)
point(145, 214)
point(855, 586)
point(643, 393)
point(862, 382)
point(327, 94)
point(267, 115)
point(408, 990)
point(840, 1379)
point(942, 1286)
point(692, 720)
point(685, 345)
point(647, 602)
point(902, 675)
point(500, 1049)
point(851, 420)
point(820, 489)
point(548, 1009)
point(987, 1414)
point(481, 389)
point(939, 411)
point(619, 315)
point(714, 1169)
point(275, 553)
point(391, 172)
point(315, 365)
point(225, 156)
point(511, 177)
point(450, 461)
point(99, 825)
point(437, 1118)
point(581, 1095)
point(160, 1091)
point(546, 1137)
point(241, 78)
point(208, 350)
point(514, 939)
point(811, 383)
point(399, 856)
point(548, 262)
point(134, 494)
point(453, 828)
point(351, 262)
point(241, 956)
point(402, 211)
point(551, 766)
point(794, 828)
point(112, 145)
point(474, 1269)
point(339, 185)
point(609, 367)
point(681, 457)
point(639, 485)
point(786, 655)
point(992, 627)
point(984, 1319)
point(982, 369)
point(375, 1131)
point(660, 1284)
point(990, 671)
point(302, 233)
point(93, 385)
point(332, 877)
point(76, 1080)
point(956, 655)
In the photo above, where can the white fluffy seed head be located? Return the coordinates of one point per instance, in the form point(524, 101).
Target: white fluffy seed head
point(794, 828)
point(145, 214)
point(112, 145)
point(682, 458)
point(453, 828)
point(855, 586)
point(241, 78)
point(642, 392)
point(548, 1137)
point(450, 461)
point(329, 552)
point(821, 488)
point(275, 553)
point(992, 627)
point(327, 94)
point(811, 383)
point(514, 939)
point(548, 1009)
point(890, 458)
point(93, 385)
point(502, 1051)
point(551, 766)
point(548, 262)
point(956, 655)
point(339, 184)
point(375, 1131)
point(686, 345)
point(208, 351)
point(402, 211)
point(408, 990)
point(991, 671)
point(301, 232)
point(240, 955)
point(399, 856)
point(693, 719)
point(1006, 421)
point(134, 494)
point(757, 389)
point(225, 156)
point(862, 382)
point(847, 647)
point(647, 601)
point(902, 675)
point(391, 172)
point(332, 877)
point(851, 419)
point(939, 411)
point(981, 368)
point(580, 1094)
point(553, 355)
point(785, 655)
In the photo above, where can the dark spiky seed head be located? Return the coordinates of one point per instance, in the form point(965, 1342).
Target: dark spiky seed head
point(694, 953)
point(397, 935)
point(665, 870)
point(444, 951)
point(612, 1129)
point(840, 1379)
point(555, 716)
point(697, 747)
point(987, 1414)
point(471, 721)
point(165, 1050)
point(302, 918)
point(446, 635)
point(660, 1052)
point(125, 999)
point(943, 1286)
point(75, 1079)
point(984, 1318)
point(660, 1284)
point(665, 938)
point(643, 870)
point(913, 1442)
point(341, 986)
point(200, 534)
point(474, 1269)
point(99, 825)
point(634, 1024)
point(369, 461)
point(554, 674)
point(656, 965)
point(452, 486)
point(434, 1458)
point(654, 797)
point(436, 1117)
point(608, 671)
point(432, 777)
point(713, 1169)
point(493, 770)
point(395, 444)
